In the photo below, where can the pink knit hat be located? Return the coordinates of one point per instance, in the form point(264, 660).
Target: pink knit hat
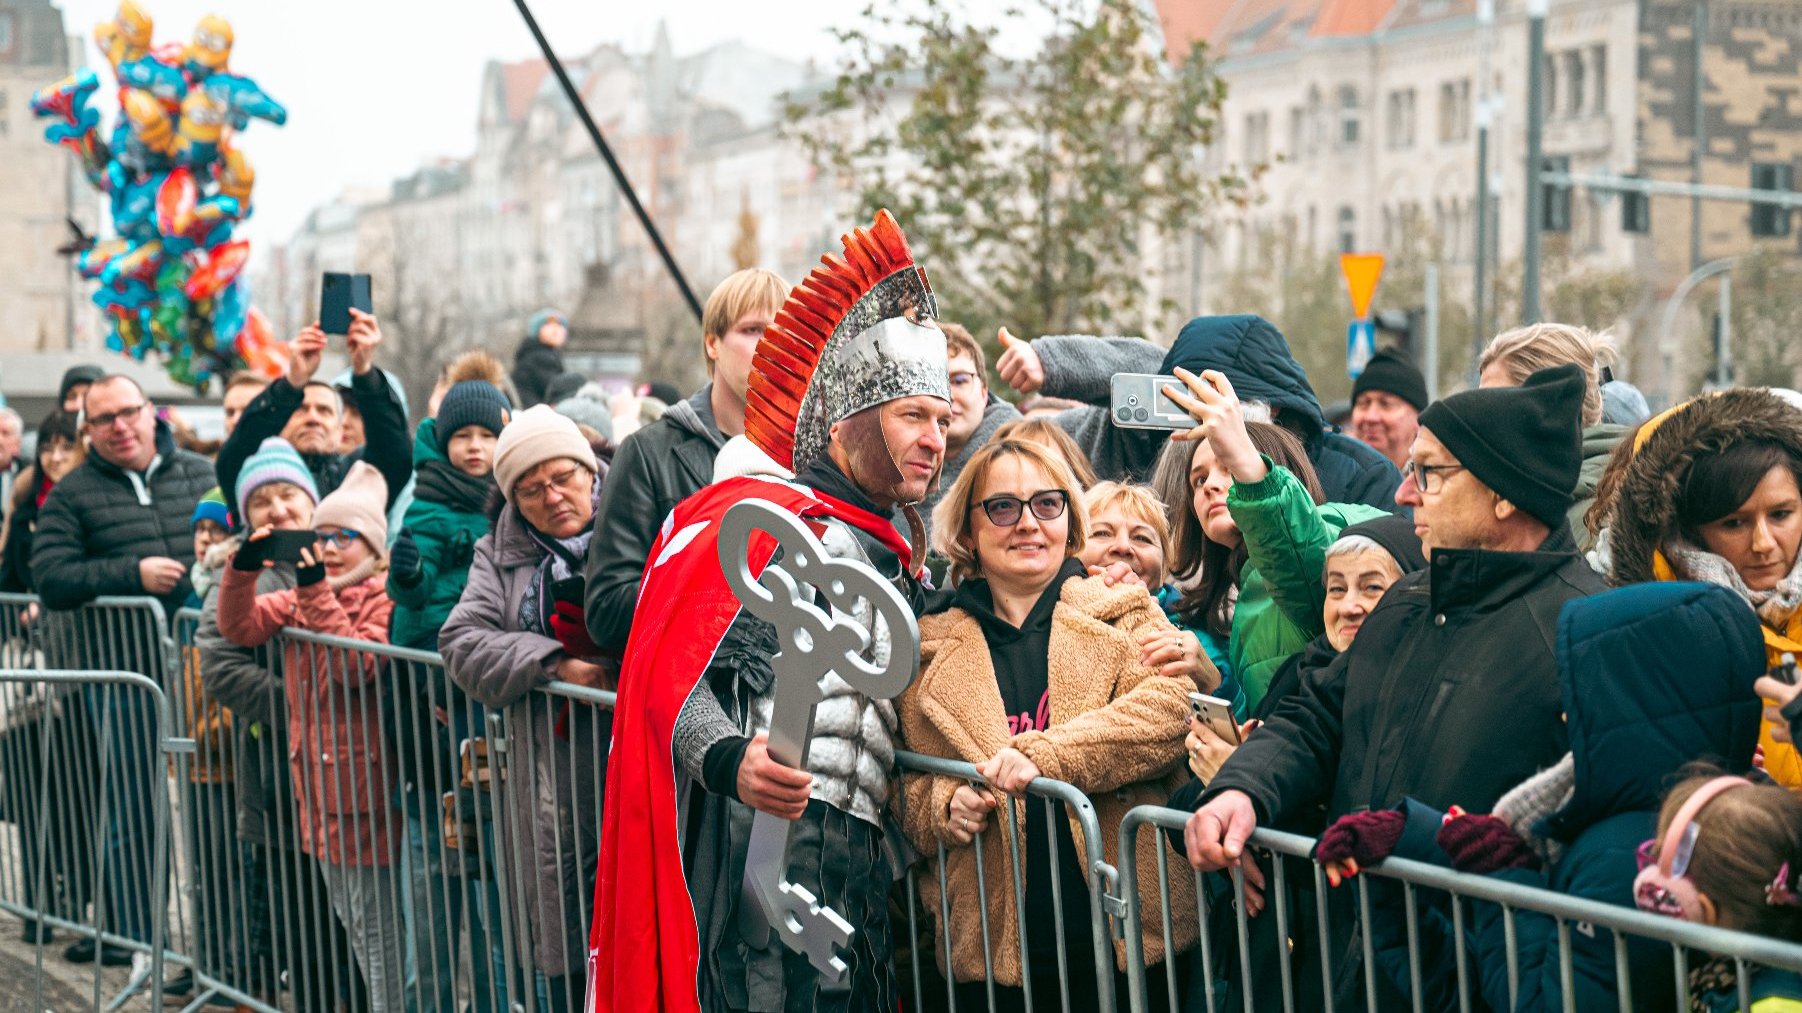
point(358, 504)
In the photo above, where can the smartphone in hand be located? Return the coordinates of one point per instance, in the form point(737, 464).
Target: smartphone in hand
point(1138, 401)
point(285, 546)
point(338, 294)
point(1217, 714)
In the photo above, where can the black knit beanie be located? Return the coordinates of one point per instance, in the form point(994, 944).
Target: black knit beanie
point(1391, 371)
point(77, 375)
point(470, 403)
point(1524, 442)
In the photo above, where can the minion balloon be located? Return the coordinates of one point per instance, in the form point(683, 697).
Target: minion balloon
point(171, 281)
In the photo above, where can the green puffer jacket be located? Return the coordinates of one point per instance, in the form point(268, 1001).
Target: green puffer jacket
point(446, 535)
point(1281, 596)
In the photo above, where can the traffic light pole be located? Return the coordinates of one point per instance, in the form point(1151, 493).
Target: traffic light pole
point(1479, 318)
point(1699, 110)
point(1535, 202)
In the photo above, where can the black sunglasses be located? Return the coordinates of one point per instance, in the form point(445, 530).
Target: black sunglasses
point(1005, 511)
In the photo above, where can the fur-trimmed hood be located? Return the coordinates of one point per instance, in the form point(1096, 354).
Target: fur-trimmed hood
point(1644, 514)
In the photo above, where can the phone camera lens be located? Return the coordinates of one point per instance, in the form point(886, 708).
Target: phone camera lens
point(1124, 414)
point(1141, 414)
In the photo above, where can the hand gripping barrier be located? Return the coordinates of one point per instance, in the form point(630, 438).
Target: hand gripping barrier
point(1101, 877)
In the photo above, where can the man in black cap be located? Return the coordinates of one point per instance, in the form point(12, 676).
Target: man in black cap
point(1450, 693)
point(1387, 399)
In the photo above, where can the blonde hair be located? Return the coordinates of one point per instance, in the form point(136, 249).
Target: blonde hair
point(951, 536)
point(753, 288)
point(1136, 501)
point(1524, 351)
point(1051, 436)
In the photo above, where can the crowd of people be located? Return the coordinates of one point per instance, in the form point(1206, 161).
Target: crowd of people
point(1527, 630)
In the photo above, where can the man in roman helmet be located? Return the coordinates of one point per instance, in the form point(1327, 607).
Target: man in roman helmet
point(845, 421)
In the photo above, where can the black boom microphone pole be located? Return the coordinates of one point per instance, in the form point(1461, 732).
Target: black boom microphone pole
point(619, 173)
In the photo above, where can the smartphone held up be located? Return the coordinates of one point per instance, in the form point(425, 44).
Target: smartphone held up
point(340, 293)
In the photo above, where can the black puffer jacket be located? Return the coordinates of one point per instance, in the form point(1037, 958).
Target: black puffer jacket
point(535, 365)
point(101, 520)
point(653, 470)
point(1450, 694)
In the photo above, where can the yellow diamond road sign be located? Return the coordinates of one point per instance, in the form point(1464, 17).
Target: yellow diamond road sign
point(1361, 270)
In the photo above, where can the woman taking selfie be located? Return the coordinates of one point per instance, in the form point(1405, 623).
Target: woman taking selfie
point(1251, 534)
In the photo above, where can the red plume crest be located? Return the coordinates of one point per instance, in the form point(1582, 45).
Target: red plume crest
point(794, 343)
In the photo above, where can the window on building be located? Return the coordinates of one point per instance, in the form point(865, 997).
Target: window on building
point(4, 112)
point(1574, 84)
point(1598, 67)
point(1313, 234)
point(1315, 119)
point(1298, 131)
point(1454, 111)
point(1398, 128)
point(1348, 230)
point(1349, 124)
point(1257, 138)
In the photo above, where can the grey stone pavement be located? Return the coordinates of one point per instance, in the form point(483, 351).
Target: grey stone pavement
point(67, 987)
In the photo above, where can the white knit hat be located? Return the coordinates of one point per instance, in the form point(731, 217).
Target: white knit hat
point(360, 504)
point(535, 436)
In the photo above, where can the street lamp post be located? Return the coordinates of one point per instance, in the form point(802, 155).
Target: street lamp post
point(1529, 288)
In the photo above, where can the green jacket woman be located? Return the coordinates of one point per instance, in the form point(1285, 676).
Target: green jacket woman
point(1249, 535)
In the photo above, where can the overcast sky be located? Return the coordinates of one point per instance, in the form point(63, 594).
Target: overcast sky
point(375, 87)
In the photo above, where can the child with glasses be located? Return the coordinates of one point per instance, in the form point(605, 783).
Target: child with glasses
point(341, 764)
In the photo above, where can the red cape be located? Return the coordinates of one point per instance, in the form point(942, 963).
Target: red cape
point(644, 944)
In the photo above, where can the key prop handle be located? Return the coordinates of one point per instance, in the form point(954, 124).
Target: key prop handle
point(815, 643)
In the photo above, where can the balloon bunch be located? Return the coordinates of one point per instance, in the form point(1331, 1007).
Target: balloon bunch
point(171, 280)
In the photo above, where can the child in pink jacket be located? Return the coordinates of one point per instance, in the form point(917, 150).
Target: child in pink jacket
point(336, 750)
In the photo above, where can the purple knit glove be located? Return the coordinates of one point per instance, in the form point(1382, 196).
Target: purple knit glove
point(1364, 837)
point(1484, 844)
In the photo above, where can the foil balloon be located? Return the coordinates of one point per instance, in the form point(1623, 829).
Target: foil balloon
point(257, 347)
point(172, 279)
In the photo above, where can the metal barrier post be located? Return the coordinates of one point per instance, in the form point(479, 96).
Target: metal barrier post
point(167, 745)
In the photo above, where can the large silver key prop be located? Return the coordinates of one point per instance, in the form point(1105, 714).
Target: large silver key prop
point(815, 644)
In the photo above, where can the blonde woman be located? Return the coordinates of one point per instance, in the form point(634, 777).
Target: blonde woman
point(1036, 671)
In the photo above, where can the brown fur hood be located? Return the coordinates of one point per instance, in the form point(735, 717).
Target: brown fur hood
point(1645, 505)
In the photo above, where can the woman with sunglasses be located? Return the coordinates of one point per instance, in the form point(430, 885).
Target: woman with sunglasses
point(1034, 672)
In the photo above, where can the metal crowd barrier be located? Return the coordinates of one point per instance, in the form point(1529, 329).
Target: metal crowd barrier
point(85, 729)
point(550, 772)
point(1056, 801)
point(395, 845)
point(1429, 897)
